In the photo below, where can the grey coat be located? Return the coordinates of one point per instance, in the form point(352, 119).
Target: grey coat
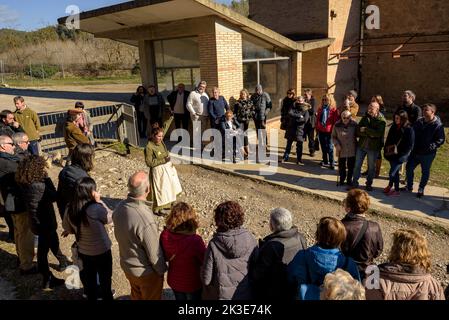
point(345, 137)
point(262, 105)
point(226, 264)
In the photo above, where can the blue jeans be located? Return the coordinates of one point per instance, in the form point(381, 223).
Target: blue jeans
point(359, 157)
point(187, 296)
point(395, 167)
point(33, 147)
point(327, 147)
point(425, 160)
point(288, 148)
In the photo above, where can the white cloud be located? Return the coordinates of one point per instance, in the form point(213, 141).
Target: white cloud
point(8, 16)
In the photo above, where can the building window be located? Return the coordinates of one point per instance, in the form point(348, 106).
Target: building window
point(177, 61)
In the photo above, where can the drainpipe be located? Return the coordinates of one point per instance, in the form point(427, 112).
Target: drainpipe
point(361, 36)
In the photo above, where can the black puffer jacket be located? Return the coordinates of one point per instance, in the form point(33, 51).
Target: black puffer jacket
point(403, 138)
point(269, 274)
point(66, 185)
point(39, 202)
point(9, 189)
point(298, 116)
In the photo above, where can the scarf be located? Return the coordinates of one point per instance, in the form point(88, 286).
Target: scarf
point(324, 115)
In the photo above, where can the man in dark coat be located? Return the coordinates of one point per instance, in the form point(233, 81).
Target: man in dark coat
point(276, 251)
point(262, 106)
point(8, 126)
point(178, 101)
point(414, 112)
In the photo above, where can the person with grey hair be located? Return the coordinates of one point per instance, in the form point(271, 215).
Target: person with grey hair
point(262, 106)
point(414, 112)
point(21, 141)
point(197, 105)
point(276, 251)
point(136, 231)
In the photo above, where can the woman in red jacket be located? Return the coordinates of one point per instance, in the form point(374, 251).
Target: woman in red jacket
point(184, 250)
point(327, 116)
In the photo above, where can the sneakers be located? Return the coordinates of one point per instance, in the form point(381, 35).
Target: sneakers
point(387, 190)
point(52, 282)
point(393, 193)
point(299, 162)
point(420, 193)
point(323, 164)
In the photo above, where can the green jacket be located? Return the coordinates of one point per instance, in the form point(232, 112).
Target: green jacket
point(155, 154)
point(29, 121)
point(373, 136)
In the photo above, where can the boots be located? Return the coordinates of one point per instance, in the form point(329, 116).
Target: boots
point(378, 166)
point(51, 282)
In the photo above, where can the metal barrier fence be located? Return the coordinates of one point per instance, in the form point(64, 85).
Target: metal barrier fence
point(115, 122)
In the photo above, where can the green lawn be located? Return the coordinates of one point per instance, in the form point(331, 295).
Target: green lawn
point(27, 82)
point(439, 174)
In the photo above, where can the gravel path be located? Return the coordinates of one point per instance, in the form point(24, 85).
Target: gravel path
point(204, 189)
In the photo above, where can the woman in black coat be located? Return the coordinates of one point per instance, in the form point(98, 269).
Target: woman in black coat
point(298, 116)
point(398, 147)
point(138, 100)
point(40, 193)
point(287, 105)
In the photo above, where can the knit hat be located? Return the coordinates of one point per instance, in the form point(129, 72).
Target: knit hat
point(353, 93)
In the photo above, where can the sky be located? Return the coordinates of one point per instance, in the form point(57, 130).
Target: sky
point(29, 15)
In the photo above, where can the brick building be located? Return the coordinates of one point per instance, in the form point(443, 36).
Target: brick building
point(188, 40)
point(409, 51)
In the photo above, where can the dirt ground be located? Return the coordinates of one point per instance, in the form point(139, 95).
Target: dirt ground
point(204, 189)
point(57, 98)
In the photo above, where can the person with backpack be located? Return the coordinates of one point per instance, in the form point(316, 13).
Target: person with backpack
point(364, 241)
point(309, 267)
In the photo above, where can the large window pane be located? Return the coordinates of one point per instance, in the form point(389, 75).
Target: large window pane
point(275, 79)
point(250, 76)
point(164, 81)
point(254, 48)
point(174, 53)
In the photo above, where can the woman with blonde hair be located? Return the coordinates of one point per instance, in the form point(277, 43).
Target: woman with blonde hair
point(340, 285)
point(327, 116)
point(406, 275)
point(184, 250)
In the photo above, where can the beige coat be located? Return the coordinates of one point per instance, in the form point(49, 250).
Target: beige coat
point(402, 282)
point(345, 137)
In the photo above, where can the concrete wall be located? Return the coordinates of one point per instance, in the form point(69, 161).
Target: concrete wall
point(425, 72)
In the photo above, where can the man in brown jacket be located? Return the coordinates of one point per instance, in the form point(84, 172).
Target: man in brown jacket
point(364, 241)
point(72, 133)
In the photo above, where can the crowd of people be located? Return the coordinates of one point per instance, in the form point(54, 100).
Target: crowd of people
point(233, 265)
point(412, 140)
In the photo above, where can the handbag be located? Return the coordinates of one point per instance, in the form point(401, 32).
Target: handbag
point(317, 144)
point(391, 150)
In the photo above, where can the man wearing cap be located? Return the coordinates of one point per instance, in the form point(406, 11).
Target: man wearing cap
point(353, 106)
point(72, 133)
point(85, 123)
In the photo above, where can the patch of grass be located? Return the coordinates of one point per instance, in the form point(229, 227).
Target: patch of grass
point(439, 173)
point(27, 82)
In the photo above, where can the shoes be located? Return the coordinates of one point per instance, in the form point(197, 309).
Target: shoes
point(52, 282)
point(162, 212)
point(393, 193)
point(114, 294)
point(368, 188)
point(420, 193)
point(32, 270)
point(365, 173)
point(387, 190)
point(312, 154)
point(332, 167)
point(406, 189)
point(63, 263)
point(324, 164)
point(299, 162)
